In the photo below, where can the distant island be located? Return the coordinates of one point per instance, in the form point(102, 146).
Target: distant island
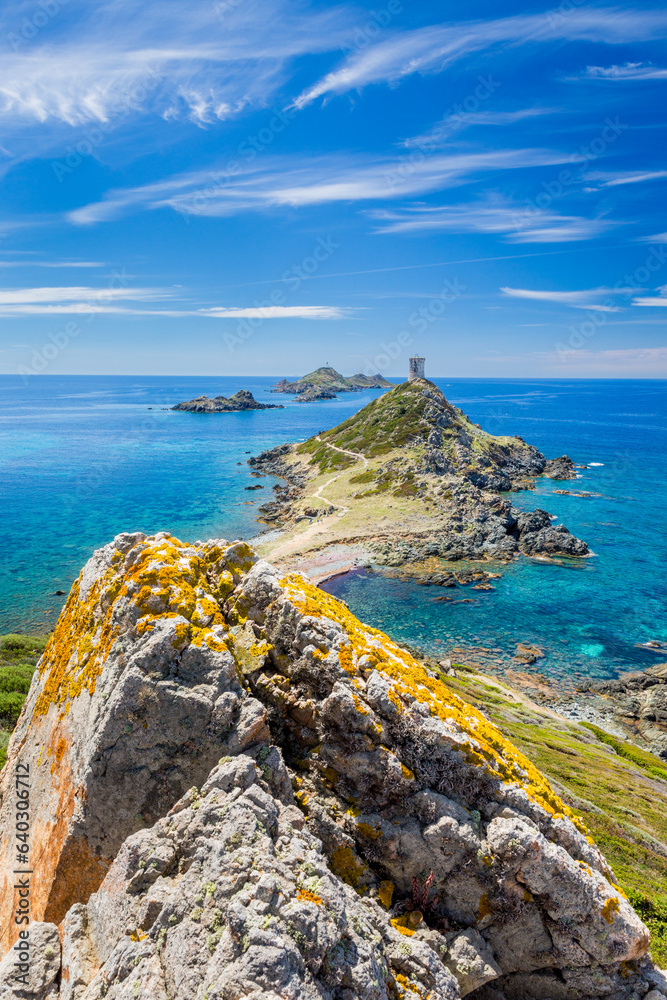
point(241, 400)
point(325, 382)
point(408, 481)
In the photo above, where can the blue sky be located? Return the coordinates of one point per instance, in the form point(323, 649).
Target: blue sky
point(264, 186)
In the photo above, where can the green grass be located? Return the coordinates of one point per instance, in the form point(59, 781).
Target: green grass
point(629, 751)
point(326, 458)
point(18, 657)
point(364, 477)
point(389, 422)
point(618, 789)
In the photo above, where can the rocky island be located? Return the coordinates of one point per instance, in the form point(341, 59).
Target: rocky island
point(408, 478)
point(325, 382)
point(241, 400)
point(237, 789)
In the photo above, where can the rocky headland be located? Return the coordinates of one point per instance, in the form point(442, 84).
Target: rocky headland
point(241, 400)
point(406, 479)
point(237, 789)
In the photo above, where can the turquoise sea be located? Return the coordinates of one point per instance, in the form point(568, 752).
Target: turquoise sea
point(85, 457)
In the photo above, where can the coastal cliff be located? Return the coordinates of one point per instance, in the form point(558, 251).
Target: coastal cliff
point(238, 789)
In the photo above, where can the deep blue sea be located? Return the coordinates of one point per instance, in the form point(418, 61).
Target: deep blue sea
point(85, 457)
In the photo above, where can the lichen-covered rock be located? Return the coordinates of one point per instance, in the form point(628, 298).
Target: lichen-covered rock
point(407, 785)
point(365, 833)
point(135, 698)
point(230, 896)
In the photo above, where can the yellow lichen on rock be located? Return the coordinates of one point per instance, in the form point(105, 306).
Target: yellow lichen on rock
point(482, 742)
point(386, 893)
point(610, 909)
point(309, 897)
point(345, 863)
point(165, 580)
point(402, 925)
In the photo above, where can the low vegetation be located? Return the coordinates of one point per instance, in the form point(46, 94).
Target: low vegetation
point(18, 658)
point(326, 458)
point(618, 789)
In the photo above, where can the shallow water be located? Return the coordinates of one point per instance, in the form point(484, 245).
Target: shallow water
point(83, 458)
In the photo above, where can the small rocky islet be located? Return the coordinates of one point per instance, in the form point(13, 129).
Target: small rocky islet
point(326, 382)
point(238, 789)
point(241, 400)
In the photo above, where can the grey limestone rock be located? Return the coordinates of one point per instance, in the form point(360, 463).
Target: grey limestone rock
point(230, 896)
point(39, 973)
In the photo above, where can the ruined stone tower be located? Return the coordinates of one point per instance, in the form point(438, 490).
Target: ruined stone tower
point(416, 368)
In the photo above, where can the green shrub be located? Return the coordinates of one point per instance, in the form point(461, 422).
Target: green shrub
point(16, 677)
point(11, 703)
point(21, 647)
point(18, 657)
point(653, 911)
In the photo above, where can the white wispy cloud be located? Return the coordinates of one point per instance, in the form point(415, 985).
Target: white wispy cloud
point(618, 74)
point(84, 301)
point(433, 48)
point(520, 223)
point(293, 182)
point(656, 238)
point(51, 263)
point(577, 300)
point(621, 178)
point(11, 296)
point(275, 312)
point(443, 130)
point(177, 60)
point(659, 300)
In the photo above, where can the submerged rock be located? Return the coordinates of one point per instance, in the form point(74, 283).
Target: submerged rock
point(240, 790)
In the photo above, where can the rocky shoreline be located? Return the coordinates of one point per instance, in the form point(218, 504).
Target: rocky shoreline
point(478, 524)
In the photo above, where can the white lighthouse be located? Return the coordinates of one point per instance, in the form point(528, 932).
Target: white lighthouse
point(416, 369)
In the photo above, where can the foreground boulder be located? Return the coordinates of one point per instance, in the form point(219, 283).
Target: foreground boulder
point(128, 709)
point(239, 790)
